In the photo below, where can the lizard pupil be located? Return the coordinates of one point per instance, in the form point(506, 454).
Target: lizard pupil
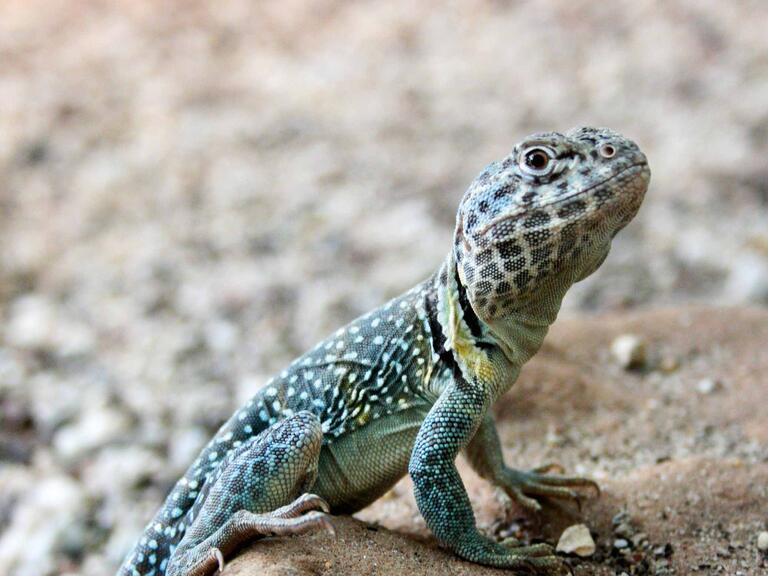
point(537, 159)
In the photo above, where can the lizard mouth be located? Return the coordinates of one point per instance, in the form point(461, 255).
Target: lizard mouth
point(636, 168)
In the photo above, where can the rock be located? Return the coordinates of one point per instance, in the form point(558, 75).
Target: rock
point(624, 530)
point(620, 543)
point(577, 540)
point(629, 351)
point(36, 323)
point(49, 519)
point(32, 322)
point(98, 427)
point(762, 541)
point(707, 386)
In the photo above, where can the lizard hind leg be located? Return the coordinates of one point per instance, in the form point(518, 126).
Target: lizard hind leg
point(256, 492)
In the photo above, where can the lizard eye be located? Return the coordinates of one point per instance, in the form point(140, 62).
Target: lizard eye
point(537, 161)
point(607, 151)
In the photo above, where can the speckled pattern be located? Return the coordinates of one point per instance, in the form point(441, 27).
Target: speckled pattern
point(408, 386)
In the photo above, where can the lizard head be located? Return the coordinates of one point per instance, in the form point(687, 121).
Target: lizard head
point(545, 215)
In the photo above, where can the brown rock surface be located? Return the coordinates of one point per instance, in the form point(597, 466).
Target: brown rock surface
point(689, 469)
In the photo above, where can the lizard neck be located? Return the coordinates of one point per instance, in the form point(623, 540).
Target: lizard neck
point(518, 333)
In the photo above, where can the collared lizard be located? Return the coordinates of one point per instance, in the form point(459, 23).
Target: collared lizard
point(408, 386)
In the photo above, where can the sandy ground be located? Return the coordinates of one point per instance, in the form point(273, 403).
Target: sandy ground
point(190, 196)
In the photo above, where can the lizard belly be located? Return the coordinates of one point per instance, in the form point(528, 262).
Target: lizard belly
point(358, 468)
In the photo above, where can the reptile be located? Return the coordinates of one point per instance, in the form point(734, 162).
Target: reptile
point(407, 387)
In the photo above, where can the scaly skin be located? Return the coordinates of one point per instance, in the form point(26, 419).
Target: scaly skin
point(408, 386)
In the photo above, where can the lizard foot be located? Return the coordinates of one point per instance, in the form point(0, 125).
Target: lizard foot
point(537, 559)
point(302, 504)
point(520, 485)
point(269, 525)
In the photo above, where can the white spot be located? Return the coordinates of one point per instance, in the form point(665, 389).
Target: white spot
point(354, 329)
point(304, 395)
point(376, 322)
point(290, 392)
point(276, 406)
point(309, 374)
point(379, 340)
point(271, 392)
point(359, 340)
point(212, 456)
point(293, 379)
point(340, 344)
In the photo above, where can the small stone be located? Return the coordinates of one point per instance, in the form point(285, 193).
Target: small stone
point(629, 351)
point(707, 385)
point(639, 539)
point(624, 530)
point(619, 518)
point(669, 364)
point(577, 540)
point(762, 541)
point(663, 551)
point(96, 428)
point(620, 543)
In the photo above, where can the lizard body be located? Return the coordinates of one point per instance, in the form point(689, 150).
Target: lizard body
point(409, 385)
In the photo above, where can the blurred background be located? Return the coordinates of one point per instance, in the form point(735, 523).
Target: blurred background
point(193, 193)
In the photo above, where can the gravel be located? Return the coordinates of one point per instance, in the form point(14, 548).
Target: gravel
point(191, 197)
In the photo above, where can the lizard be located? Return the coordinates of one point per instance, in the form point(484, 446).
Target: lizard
point(407, 387)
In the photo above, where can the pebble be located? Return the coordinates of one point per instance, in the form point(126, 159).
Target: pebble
point(577, 540)
point(629, 351)
point(624, 530)
point(93, 430)
point(49, 519)
point(707, 386)
point(762, 541)
point(620, 543)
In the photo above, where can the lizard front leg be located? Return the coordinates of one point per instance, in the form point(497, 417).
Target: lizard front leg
point(440, 493)
point(485, 457)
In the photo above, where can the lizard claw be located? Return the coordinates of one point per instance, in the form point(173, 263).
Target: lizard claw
point(521, 486)
point(549, 468)
point(216, 553)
